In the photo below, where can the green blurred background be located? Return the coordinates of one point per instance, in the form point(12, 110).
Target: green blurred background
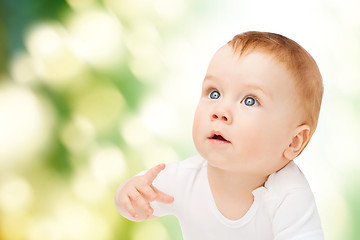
point(95, 91)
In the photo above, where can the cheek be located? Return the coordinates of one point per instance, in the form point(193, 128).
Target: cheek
point(198, 119)
point(198, 130)
point(273, 140)
point(260, 138)
point(251, 138)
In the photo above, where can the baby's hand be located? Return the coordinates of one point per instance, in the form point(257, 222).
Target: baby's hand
point(134, 196)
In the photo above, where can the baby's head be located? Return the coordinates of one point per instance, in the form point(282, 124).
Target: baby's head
point(303, 68)
point(260, 103)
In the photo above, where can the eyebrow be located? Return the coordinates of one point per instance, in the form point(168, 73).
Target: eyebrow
point(255, 87)
point(246, 85)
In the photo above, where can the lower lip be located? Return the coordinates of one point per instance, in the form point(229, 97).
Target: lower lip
point(217, 141)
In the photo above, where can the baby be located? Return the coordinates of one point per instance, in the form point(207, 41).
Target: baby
point(258, 109)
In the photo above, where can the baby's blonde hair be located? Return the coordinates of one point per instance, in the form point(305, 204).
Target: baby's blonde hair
point(297, 60)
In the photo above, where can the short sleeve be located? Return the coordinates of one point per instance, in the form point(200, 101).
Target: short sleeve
point(296, 217)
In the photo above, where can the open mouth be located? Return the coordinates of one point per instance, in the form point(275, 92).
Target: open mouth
point(218, 138)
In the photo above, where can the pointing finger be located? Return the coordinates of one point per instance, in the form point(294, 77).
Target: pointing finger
point(153, 172)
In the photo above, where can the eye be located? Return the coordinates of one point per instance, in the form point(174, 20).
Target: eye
point(214, 95)
point(250, 101)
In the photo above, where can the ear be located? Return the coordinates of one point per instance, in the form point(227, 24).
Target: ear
point(298, 142)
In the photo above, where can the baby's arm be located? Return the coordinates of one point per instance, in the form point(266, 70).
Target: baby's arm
point(133, 197)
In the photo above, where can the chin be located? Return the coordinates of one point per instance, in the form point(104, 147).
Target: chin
point(216, 160)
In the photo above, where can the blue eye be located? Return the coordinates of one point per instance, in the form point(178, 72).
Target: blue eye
point(250, 101)
point(214, 95)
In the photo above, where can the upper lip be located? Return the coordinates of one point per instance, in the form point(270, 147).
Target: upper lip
point(218, 135)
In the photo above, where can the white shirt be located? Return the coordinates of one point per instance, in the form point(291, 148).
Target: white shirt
point(284, 209)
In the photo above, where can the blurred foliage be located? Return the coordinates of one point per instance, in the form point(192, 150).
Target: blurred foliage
point(73, 75)
point(17, 16)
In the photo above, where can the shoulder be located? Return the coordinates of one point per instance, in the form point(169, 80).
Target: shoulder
point(287, 188)
point(291, 205)
point(287, 179)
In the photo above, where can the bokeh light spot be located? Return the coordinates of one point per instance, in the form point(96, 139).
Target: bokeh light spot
point(134, 132)
point(156, 153)
point(25, 124)
point(54, 60)
point(15, 194)
point(159, 117)
point(87, 188)
point(99, 37)
point(23, 69)
point(78, 222)
point(78, 135)
point(108, 165)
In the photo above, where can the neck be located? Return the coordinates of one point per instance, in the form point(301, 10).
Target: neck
point(233, 184)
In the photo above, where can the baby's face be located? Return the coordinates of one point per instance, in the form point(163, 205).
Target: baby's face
point(246, 116)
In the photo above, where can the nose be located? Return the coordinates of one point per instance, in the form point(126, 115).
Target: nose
point(222, 115)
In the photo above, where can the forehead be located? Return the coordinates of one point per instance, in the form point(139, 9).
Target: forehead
point(252, 68)
point(226, 57)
